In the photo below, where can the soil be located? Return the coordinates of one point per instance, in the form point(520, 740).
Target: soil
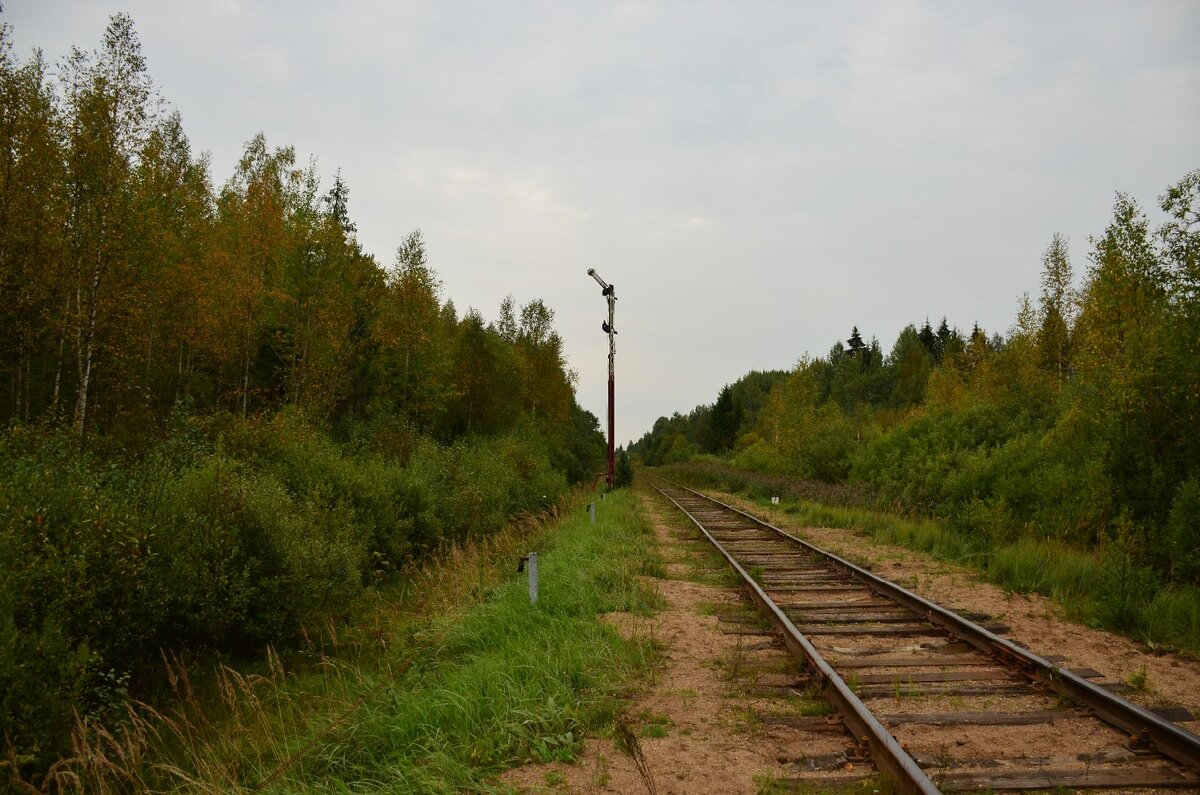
point(714, 741)
point(699, 727)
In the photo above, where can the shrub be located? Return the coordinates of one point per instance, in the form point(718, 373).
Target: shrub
point(1183, 532)
point(624, 471)
point(227, 535)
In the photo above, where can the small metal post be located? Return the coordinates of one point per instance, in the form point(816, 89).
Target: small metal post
point(533, 578)
point(592, 511)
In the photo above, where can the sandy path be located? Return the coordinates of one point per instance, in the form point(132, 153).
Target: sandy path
point(708, 700)
point(713, 741)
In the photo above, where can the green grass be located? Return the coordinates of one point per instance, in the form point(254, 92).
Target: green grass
point(654, 725)
point(461, 687)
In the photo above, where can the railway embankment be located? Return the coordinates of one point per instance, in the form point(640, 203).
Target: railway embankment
point(974, 707)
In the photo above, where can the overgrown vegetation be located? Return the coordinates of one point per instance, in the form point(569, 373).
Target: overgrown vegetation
point(1070, 437)
point(442, 683)
point(225, 421)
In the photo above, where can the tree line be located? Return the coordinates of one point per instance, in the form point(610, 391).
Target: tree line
point(1077, 424)
point(223, 420)
point(130, 286)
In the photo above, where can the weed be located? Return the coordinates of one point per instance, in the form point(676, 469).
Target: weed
point(600, 775)
point(736, 659)
point(654, 731)
point(813, 704)
point(903, 688)
point(1139, 681)
point(652, 567)
point(628, 743)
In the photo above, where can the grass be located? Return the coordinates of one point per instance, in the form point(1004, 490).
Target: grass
point(812, 703)
point(438, 687)
point(1139, 681)
point(654, 725)
point(1102, 588)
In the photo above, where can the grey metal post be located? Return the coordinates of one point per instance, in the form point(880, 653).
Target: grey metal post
point(533, 578)
point(592, 511)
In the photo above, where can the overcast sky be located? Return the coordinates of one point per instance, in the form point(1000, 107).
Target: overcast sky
point(755, 178)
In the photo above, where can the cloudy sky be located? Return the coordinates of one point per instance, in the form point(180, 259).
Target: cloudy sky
point(755, 177)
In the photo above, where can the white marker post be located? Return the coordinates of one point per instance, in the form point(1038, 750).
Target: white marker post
point(533, 578)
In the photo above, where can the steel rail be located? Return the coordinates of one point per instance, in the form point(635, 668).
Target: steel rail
point(1143, 726)
point(888, 755)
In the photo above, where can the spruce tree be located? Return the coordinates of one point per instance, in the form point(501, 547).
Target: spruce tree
point(855, 343)
point(928, 339)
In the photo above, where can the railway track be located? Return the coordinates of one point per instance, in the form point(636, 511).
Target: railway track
point(904, 673)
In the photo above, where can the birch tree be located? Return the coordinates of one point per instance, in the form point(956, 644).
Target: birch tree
point(109, 107)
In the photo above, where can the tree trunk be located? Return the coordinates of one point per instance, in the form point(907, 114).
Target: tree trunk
point(246, 362)
point(86, 355)
point(58, 363)
point(28, 384)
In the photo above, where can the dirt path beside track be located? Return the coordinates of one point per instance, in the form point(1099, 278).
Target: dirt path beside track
point(698, 725)
point(706, 723)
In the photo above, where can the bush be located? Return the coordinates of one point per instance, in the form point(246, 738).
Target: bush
point(226, 536)
point(624, 471)
point(1183, 532)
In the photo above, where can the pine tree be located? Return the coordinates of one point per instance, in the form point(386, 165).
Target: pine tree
point(855, 344)
point(929, 340)
point(337, 202)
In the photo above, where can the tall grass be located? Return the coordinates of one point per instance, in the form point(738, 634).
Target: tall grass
point(435, 688)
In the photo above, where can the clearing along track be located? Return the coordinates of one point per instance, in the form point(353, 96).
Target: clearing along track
point(906, 676)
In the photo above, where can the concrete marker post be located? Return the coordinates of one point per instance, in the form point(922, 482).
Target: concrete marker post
point(533, 578)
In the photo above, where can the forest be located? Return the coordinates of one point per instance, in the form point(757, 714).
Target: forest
point(1075, 431)
point(223, 420)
